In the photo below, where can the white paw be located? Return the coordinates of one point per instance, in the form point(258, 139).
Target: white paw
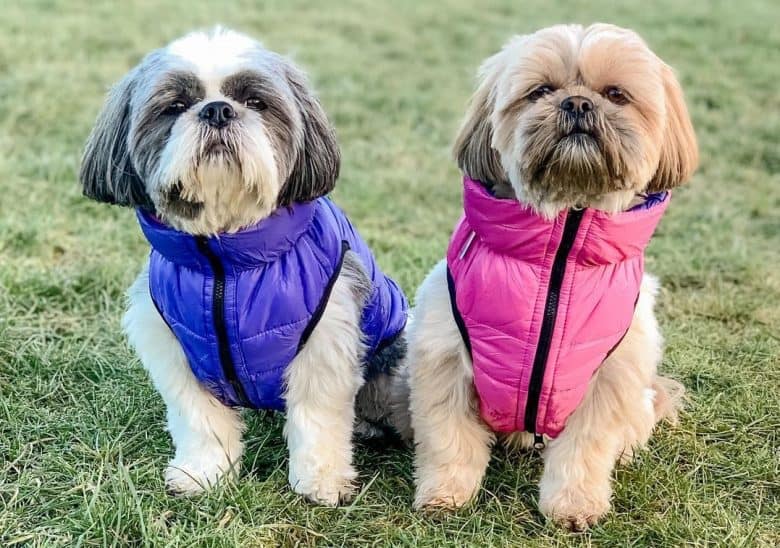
point(574, 508)
point(188, 478)
point(447, 488)
point(323, 484)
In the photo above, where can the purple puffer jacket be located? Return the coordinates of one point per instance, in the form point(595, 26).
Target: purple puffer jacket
point(542, 303)
point(242, 305)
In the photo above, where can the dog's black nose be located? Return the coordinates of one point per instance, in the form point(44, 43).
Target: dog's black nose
point(217, 114)
point(576, 104)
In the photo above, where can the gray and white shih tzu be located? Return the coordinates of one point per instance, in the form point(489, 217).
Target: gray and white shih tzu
point(258, 292)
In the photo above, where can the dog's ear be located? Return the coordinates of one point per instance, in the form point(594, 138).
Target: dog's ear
point(107, 173)
point(473, 148)
point(679, 151)
point(316, 167)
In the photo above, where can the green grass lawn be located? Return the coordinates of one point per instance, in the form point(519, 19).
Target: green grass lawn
point(82, 444)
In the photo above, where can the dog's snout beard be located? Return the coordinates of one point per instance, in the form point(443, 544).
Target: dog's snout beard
point(219, 145)
point(213, 162)
point(568, 158)
point(209, 180)
point(579, 124)
point(177, 202)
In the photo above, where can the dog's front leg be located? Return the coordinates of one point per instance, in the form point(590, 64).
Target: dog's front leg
point(452, 443)
point(322, 383)
point(575, 488)
point(206, 434)
point(624, 401)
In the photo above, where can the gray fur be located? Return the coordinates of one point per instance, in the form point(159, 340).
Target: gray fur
point(361, 284)
point(151, 126)
point(107, 173)
point(381, 406)
point(125, 149)
point(280, 113)
point(317, 165)
point(125, 146)
point(383, 402)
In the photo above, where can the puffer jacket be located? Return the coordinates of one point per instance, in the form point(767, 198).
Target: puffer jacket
point(242, 305)
point(540, 304)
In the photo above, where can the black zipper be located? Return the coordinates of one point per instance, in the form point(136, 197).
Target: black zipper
point(572, 224)
point(218, 313)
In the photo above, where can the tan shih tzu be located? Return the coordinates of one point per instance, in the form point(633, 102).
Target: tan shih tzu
point(539, 325)
point(258, 292)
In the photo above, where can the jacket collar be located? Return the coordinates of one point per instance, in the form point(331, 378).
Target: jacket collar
point(252, 246)
point(511, 228)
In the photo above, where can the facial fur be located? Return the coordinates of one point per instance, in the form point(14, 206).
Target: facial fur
point(211, 133)
point(572, 116)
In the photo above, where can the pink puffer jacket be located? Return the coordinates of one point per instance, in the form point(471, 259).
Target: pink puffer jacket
point(541, 304)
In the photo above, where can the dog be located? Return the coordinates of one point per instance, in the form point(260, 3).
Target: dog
point(538, 328)
point(258, 292)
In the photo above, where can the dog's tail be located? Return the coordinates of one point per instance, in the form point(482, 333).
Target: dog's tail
point(401, 418)
point(669, 399)
point(382, 405)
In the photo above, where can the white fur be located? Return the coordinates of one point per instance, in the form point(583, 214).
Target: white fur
point(234, 194)
point(213, 54)
point(153, 146)
point(322, 383)
point(234, 189)
point(206, 434)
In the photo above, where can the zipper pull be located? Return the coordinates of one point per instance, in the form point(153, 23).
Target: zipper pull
point(538, 442)
point(467, 245)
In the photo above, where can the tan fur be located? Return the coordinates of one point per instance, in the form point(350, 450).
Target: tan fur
point(625, 400)
point(647, 144)
point(679, 152)
point(452, 443)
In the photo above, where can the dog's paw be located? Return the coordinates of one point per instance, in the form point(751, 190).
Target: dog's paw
point(445, 501)
point(447, 490)
point(574, 509)
point(192, 478)
point(324, 487)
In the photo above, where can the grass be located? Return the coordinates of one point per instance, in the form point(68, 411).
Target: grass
point(81, 429)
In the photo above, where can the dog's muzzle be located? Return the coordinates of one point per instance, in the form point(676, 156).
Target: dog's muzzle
point(217, 114)
point(577, 117)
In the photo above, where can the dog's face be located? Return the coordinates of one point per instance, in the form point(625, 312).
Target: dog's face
point(572, 116)
point(211, 133)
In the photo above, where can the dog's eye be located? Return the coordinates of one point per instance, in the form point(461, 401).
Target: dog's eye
point(616, 95)
point(175, 108)
point(255, 103)
point(540, 92)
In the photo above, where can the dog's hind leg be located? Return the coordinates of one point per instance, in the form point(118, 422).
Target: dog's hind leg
point(206, 433)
